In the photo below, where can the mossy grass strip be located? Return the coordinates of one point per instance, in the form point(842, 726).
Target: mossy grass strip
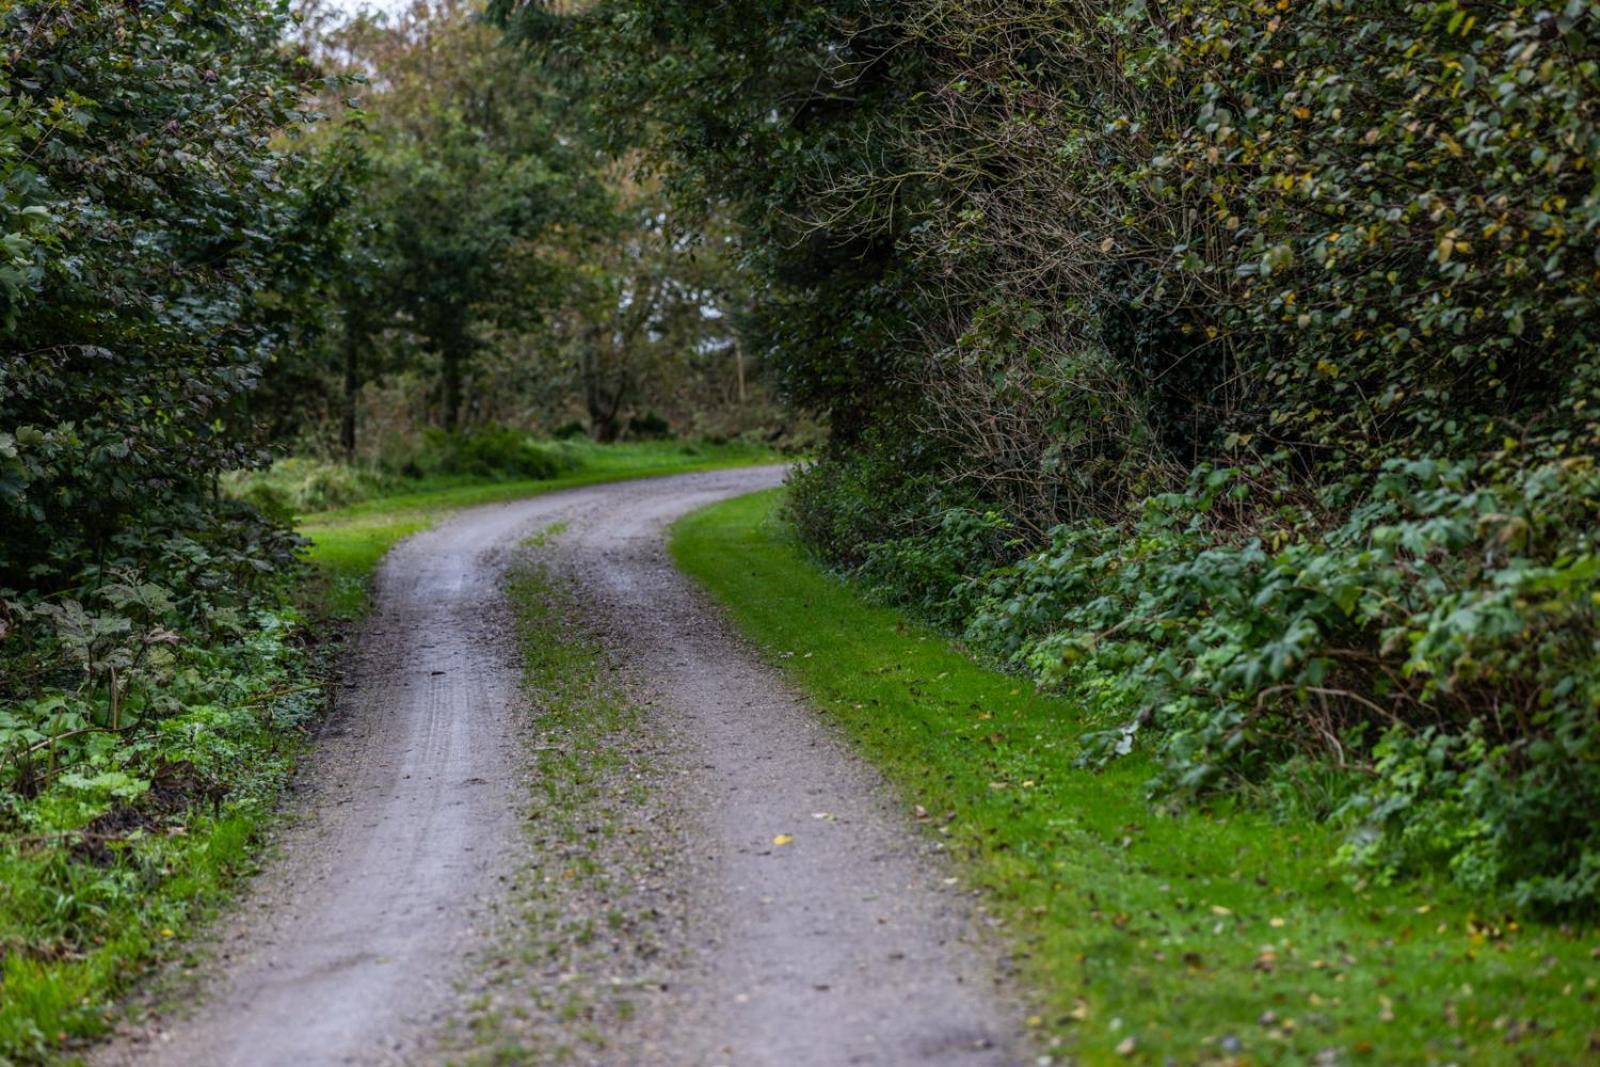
point(583, 950)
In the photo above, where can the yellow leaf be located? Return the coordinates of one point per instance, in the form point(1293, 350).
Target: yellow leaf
point(782, 839)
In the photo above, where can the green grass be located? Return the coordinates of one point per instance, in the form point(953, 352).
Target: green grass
point(50, 1004)
point(348, 542)
point(1201, 936)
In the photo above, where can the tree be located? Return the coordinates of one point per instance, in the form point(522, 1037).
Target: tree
point(469, 172)
point(752, 113)
point(151, 273)
point(641, 299)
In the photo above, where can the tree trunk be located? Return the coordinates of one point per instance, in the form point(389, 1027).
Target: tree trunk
point(355, 338)
point(452, 360)
point(601, 403)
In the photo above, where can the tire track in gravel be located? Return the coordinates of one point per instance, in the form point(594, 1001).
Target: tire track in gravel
point(843, 947)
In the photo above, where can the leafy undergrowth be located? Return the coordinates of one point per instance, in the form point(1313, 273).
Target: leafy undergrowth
point(1211, 935)
point(108, 859)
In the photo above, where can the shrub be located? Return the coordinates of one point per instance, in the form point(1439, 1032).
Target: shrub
point(297, 485)
point(649, 426)
point(882, 491)
point(494, 452)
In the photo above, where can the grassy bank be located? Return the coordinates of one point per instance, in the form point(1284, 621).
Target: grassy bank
point(1204, 936)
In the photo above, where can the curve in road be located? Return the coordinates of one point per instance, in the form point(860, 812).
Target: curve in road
point(844, 947)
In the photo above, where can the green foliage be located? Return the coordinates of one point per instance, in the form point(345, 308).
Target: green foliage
point(1438, 644)
point(845, 504)
point(1329, 234)
point(128, 801)
point(497, 452)
point(735, 105)
point(157, 267)
point(160, 244)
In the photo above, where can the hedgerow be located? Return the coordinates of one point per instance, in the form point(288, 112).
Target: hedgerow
point(152, 666)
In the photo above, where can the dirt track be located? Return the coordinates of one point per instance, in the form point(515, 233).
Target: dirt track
point(842, 947)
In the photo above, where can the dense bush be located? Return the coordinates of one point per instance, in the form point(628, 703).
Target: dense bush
point(157, 279)
point(149, 655)
point(154, 286)
point(1330, 233)
point(1439, 645)
point(494, 452)
point(869, 495)
point(296, 485)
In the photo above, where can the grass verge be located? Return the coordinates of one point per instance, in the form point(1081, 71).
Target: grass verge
point(1207, 936)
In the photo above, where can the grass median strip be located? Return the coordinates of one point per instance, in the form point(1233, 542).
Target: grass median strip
point(1204, 935)
point(582, 953)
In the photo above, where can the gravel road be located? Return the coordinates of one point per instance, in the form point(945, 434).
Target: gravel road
point(845, 946)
